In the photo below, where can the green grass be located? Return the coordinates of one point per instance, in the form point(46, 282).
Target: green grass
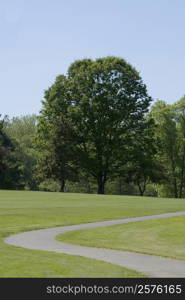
point(163, 237)
point(23, 211)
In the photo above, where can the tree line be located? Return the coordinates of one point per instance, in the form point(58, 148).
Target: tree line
point(98, 131)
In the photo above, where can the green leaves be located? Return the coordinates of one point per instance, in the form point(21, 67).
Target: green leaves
point(170, 130)
point(21, 131)
point(10, 172)
point(92, 110)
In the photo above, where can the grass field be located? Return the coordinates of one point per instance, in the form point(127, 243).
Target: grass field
point(23, 211)
point(163, 237)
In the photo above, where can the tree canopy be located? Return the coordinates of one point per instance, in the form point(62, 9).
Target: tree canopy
point(96, 108)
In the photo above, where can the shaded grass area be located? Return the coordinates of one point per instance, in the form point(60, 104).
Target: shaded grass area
point(23, 211)
point(162, 237)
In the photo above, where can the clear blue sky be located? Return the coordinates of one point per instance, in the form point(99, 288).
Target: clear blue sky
point(39, 39)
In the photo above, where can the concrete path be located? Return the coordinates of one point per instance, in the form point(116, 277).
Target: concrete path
point(153, 266)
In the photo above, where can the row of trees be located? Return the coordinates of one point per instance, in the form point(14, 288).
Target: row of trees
point(97, 128)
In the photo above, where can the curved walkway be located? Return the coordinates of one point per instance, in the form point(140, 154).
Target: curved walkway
point(153, 266)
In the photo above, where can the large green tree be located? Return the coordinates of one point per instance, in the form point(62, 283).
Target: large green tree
point(97, 108)
point(170, 130)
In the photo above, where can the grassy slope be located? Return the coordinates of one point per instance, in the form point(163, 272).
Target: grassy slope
point(22, 211)
point(163, 237)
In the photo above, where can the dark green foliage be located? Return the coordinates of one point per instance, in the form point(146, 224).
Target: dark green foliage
point(170, 130)
point(96, 109)
point(10, 174)
point(55, 155)
point(21, 131)
point(143, 167)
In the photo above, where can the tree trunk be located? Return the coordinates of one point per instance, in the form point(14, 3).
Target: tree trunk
point(62, 185)
point(175, 189)
point(141, 188)
point(120, 186)
point(101, 179)
point(101, 187)
point(141, 191)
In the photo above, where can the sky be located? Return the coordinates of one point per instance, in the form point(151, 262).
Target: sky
point(39, 39)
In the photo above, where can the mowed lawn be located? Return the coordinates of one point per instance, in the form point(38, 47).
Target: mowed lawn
point(23, 211)
point(163, 237)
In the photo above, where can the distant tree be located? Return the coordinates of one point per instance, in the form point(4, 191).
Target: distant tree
point(55, 157)
point(170, 120)
point(179, 109)
point(10, 174)
point(21, 131)
point(96, 108)
point(143, 166)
